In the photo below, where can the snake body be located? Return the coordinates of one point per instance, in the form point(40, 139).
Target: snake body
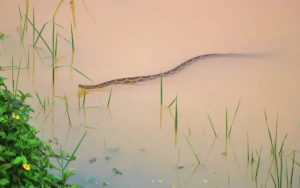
point(135, 79)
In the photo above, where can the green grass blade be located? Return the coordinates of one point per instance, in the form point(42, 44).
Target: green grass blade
point(226, 124)
point(176, 115)
point(281, 147)
point(273, 180)
point(81, 73)
point(40, 101)
point(193, 150)
point(57, 8)
point(161, 89)
point(84, 97)
point(56, 47)
point(108, 102)
point(212, 125)
point(75, 150)
point(33, 32)
point(292, 171)
point(53, 50)
point(28, 59)
point(169, 106)
point(235, 113)
point(257, 166)
point(72, 39)
point(67, 110)
point(40, 35)
point(248, 149)
point(276, 131)
point(12, 74)
point(286, 174)
point(25, 22)
point(75, 70)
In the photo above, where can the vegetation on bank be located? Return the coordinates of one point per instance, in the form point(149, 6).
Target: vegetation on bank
point(25, 160)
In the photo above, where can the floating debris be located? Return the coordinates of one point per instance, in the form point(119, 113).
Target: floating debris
point(142, 149)
point(105, 183)
point(116, 171)
point(180, 167)
point(92, 160)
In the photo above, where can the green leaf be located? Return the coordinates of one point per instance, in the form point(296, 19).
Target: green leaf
point(72, 158)
point(3, 119)
point(2, 158)
point(105, 183)
point(4, 167)
point(116, 171)
point(9, 153)
point(18, 160)
point(33, 143)
point(4, 181)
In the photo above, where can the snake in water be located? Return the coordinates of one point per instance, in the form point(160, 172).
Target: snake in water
point(135, 79)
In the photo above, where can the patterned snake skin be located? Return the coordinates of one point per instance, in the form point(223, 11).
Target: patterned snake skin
point(131, 80)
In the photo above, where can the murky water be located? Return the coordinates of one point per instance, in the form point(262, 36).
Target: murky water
point(135, 134)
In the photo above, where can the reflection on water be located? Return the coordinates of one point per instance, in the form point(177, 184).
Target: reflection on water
point(128, 129)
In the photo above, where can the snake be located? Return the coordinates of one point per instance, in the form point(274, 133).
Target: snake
point(188, 62)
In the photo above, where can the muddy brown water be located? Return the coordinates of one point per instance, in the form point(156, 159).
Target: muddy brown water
point(135, 134)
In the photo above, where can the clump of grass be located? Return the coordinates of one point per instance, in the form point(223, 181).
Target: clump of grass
point(3, 36)
point(277, 156)
point(23, 23)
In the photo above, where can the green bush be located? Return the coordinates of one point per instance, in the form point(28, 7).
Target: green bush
point(24, 158)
